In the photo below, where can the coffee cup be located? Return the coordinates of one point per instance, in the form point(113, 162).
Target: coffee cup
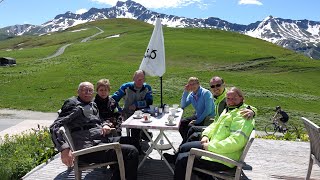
point(175, 106)
point(170, 119)
point(166, 109)
point(138, 113)
point(146, 116)
point(173, 112)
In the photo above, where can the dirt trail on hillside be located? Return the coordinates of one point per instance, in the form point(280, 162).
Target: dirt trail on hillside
point(62, 49)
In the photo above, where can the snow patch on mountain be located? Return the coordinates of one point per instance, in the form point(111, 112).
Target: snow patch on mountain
point(298, 35)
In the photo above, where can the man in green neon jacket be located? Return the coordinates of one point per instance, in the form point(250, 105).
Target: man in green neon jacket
point(227, 136)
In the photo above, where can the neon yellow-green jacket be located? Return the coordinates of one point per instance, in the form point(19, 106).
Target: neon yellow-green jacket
point(220, 103)
point(229, 134)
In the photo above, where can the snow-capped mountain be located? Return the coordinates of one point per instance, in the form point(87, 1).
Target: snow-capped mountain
point(298, 35)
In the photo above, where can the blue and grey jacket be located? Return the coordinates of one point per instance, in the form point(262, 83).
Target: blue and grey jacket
point(141, 98)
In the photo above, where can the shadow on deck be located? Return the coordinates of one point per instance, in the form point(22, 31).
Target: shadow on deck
point(152, 169)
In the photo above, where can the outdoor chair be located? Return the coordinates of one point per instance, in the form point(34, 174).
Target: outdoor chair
point(234, 173)
point(80, 166)
point(314, 136)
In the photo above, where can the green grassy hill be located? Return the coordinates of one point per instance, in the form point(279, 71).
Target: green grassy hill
point(268, 74)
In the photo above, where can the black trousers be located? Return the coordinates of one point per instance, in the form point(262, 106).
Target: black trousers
point(136, 133)
point(130, 157)
point(182, 159)
point(184, 127)
point(194, 133)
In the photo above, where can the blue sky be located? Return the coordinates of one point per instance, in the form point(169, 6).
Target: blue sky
point(235, 11)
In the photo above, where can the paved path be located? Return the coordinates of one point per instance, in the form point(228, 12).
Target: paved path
point(269, 159)
point(90, 37)
point(272, 159)
point(16, 121)
point(58, 52)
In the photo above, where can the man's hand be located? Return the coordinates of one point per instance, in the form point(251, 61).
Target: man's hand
point(105, 130)
point(187, 87)
point(110, 124)
point(67, 157)
point(204, 139)
point(132, 107)
point(205, 146)
point(247, 113)
point(192, 122)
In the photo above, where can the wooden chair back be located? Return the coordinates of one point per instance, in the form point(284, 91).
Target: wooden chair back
point(79, 167)
point(314, 137)
point(229, 174)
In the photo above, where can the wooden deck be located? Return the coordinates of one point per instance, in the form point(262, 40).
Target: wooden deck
point(269, 159)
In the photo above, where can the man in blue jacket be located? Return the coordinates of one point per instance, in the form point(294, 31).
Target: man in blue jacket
point(201, 100)
point(136, 95)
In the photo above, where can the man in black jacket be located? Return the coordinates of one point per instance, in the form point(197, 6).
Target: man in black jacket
point(81, 116)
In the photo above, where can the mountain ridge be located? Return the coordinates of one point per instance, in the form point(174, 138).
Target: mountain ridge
point(302, 36)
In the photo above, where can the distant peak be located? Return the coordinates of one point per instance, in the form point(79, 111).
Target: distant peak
point(268, 18)
point(121, 3)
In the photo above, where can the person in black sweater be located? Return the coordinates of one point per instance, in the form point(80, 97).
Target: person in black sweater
point(107, 106)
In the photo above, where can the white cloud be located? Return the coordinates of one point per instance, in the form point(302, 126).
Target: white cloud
point(81, 11)
point(155, 4)
point(256, 2)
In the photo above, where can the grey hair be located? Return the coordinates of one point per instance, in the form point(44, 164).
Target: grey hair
point(86, 83)
point(237, 90)
point(138, 72)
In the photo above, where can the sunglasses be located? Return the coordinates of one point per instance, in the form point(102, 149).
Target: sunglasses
point(217, 85)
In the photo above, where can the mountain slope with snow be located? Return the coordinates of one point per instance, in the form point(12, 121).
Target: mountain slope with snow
point(298, 35)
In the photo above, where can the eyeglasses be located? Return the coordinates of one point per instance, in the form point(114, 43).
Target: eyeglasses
point(89, 91)
point(217, 85)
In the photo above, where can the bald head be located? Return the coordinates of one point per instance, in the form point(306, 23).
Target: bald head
point(85, 91)
point(217, 85)
point(138, 78)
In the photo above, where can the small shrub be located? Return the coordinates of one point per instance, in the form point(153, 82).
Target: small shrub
point(300, 136)
point(21, 153)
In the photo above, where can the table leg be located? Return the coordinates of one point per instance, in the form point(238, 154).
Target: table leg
point(154, 146)
point(164, 159)
point(174, 149)
point(150, 148)
point(128, 132)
